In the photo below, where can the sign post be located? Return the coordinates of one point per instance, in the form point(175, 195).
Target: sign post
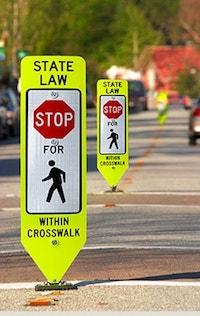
point(112, 130)
point(53, 162)
point(162, 113)
point(162, 107)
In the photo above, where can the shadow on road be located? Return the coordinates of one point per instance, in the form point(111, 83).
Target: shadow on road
point(9, 141)
point(91, 163)
point(9, 167)
point(175, 276)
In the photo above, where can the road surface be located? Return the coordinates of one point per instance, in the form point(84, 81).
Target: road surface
point(159, 207)
point(150, 230)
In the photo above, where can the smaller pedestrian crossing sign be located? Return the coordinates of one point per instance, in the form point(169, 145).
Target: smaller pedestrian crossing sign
point(112, 129)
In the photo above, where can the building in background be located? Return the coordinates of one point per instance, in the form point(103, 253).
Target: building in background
point(118, 72)
point(165, 63)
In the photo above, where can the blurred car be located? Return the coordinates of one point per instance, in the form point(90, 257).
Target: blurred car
point(90, 98)
point(3, 119)
point(186, 101)
point(194, 123)
point(12, 113)
point(3, 113)
point(11, 103)
point(174, 98)
point(137, 95)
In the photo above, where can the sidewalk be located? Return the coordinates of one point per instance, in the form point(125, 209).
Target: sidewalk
point(116, 296)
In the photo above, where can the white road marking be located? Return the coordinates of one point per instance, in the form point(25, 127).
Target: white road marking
point(10, 209)
point(144, 205)
point(31, 285)
point(13, 286)
point(183, 193)
point(12, 252)
point(119, 205)
point(140, 247)
point(147, 283)
point(110, 247)
point(96, 205)
point(10, 195)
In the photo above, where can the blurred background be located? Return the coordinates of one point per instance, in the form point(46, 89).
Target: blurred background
point(156, 41)
point(153, 44)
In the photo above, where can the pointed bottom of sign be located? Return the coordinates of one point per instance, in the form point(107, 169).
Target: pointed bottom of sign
point(114, 189)
point(114, 174)
point(61, 286)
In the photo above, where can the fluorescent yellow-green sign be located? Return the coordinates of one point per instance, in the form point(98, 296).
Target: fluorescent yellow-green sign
point(112, 129)
point(53, 161)
point(162, 107)
point(162, 114)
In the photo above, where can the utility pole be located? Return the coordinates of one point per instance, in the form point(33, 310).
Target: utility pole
point(18, 8)
point(135, 50)
point(16, 37)
point(3, 39)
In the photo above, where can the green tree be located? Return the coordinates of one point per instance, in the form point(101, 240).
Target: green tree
point(100, 31)
point(131, 33)
point(43, 25)
point(164, 17)
point(188, 83)
point(10, 22)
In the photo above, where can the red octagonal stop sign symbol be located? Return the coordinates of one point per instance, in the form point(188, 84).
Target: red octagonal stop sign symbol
point(54, 119)
point(113, 109)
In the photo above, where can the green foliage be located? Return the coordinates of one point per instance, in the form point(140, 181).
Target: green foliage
point(189, 83)
point(42, 26)
point(163, 16)
point(100, 31)
point(130, 28)
point(104, 32)
point(6, 29)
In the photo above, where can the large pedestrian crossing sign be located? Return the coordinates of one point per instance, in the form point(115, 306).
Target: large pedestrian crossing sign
point(112, 129)
point(53, 161)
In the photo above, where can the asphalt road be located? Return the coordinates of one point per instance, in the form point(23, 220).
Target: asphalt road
point(148, 231)
point(133, 226)
point(157, 212)
point(160, 159)
point(148, 241)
